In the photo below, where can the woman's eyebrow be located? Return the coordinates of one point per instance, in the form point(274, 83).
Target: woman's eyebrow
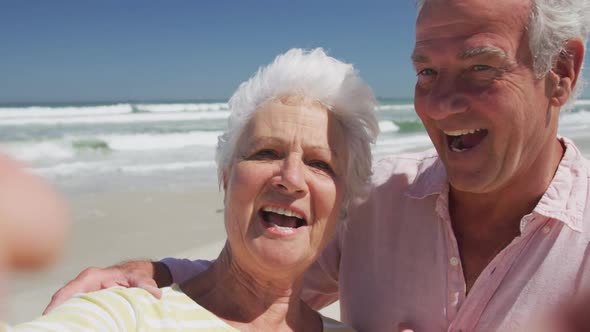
point(271, 140)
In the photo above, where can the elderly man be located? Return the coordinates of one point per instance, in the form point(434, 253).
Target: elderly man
point(492, 230)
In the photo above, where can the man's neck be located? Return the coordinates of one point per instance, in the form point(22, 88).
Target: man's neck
point(485, 223)
point(505, 206)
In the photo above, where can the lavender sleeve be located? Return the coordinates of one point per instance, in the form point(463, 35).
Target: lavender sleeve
point(184, 269)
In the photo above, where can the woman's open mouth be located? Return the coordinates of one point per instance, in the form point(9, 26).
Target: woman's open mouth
point(464, 139)
point(282, 219)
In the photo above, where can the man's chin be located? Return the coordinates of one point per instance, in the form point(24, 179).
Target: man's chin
point(472, 183)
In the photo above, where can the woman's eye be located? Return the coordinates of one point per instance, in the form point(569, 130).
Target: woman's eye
point(321, 165)
point(264, 154)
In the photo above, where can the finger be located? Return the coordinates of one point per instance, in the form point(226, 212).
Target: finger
point(81, 284)
point(113, 283)
point(137, 281)
point(62, 295)
point(152, 289)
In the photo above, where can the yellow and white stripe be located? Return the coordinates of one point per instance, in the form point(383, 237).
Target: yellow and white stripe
point(134, 309)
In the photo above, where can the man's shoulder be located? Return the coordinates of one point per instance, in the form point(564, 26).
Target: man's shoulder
point(573, 176)
point(408, 166)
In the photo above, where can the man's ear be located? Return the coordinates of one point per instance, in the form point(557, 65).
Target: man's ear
point(566, 71)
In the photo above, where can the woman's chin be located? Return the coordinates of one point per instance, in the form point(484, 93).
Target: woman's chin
point(281, 255)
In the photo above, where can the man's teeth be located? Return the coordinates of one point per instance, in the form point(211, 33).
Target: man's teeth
point(462, 132)
point(281, 211)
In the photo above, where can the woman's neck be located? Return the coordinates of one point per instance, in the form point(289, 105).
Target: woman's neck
point(251, 301)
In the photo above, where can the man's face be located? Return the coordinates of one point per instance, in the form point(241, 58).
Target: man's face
point(488, 116)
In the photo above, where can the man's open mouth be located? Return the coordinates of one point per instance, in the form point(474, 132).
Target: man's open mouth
point(281, 218)
point(464, 139)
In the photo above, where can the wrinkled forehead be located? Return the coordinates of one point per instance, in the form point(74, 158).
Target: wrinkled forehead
point(294, 115)
point(470, 16)
point(297, 111)
point(461, 26)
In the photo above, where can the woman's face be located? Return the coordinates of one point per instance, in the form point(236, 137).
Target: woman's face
point(284, 191)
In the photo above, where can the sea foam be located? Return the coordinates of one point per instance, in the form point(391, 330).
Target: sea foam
point(112, 119)
point(142, 142)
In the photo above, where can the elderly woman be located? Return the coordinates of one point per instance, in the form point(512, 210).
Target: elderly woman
point(295, 153)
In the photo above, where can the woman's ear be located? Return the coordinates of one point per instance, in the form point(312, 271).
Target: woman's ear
point(225, 181)
point(225, 171)
point(566, 71)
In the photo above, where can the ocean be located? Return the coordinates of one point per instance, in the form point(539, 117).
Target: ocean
point(131, 146)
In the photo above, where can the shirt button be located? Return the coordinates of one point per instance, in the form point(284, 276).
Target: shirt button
point(546, 229)
point(454, 261)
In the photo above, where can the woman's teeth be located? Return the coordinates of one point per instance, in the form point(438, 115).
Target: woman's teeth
point(281, 211)
point(281, 218)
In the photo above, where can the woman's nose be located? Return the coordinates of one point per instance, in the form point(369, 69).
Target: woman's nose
point(292, 176)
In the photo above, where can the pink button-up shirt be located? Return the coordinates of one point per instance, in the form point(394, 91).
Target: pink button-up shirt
point(396, 260)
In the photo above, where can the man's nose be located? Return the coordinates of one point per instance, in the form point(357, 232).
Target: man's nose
point(445, 99)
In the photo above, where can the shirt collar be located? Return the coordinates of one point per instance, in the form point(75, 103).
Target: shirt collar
point(564, 199)
point(431, 179)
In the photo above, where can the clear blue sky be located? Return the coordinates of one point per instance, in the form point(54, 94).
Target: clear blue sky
point(108, 50)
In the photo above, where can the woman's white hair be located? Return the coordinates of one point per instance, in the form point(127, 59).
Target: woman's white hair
point(551, 24)
point(318, 77)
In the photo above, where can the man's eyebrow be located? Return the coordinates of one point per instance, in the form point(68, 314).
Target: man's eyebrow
point(492, 52)
point(467, 54)
point(419, 58)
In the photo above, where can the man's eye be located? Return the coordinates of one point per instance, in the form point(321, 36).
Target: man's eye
point(321, 165)
point(482, 73)
point(426, 77)
point(426, 72)
point(480, 68)
point(264, 154)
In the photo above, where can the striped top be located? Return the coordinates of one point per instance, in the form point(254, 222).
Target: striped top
point(134, 309)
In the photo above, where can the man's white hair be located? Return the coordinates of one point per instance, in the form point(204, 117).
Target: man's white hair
point(551, 24)
point(317, 77)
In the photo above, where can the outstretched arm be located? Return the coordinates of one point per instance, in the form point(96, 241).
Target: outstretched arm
point(120, 309)
point(128, 274)
point(142, 273)
point(107, 310)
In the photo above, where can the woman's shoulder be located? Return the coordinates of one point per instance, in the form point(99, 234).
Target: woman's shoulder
point(331, 325)
point(127, 309)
